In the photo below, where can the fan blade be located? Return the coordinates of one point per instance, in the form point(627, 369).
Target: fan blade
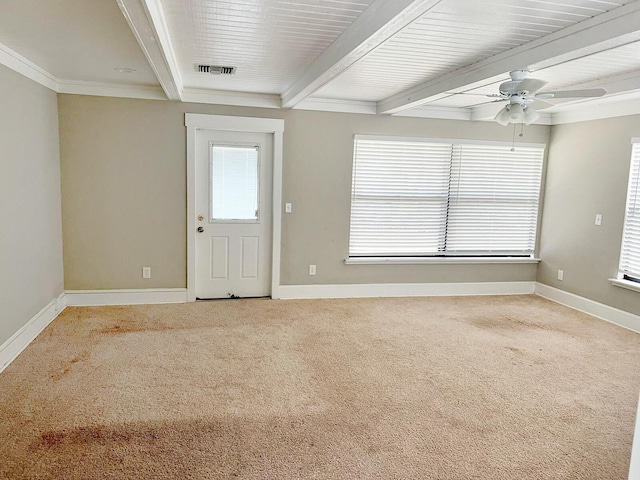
point(588, 92)
point(531, 85)
point(490, 102)
point(540, 104)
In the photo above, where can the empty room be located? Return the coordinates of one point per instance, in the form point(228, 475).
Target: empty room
point(320, 239)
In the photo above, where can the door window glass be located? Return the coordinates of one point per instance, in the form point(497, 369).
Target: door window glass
point(234, 183)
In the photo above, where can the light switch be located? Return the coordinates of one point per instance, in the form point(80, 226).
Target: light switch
point(146, 272)
point(598, 219)
point(287, 208)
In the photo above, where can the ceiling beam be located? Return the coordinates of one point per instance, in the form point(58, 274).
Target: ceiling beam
point(379, 22)
point(147, 22)
point(616, 27)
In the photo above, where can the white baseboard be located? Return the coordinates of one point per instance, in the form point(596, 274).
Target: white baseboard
point(405, 290)
point(14, 346)
point(83, 298)
point(596, 309)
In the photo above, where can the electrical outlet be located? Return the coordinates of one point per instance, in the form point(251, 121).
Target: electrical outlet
point(598, 219)
point(312, 269)
point(560, 275)
point(287, 208)
point(146, 272)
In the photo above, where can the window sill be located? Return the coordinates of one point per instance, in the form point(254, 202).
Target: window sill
point(438, 260)
point(629, 285)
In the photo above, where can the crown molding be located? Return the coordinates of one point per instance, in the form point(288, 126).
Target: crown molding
point(442, 113)
point(78, 87)
point(16, 62)
point(337, 105)
point(224, 97)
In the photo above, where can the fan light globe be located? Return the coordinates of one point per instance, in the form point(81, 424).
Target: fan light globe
point(502, 117)
point(516, 113)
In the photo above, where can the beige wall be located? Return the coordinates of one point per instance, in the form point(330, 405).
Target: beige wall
point(124, 193)
point(587, 173)
point(30, 225)
point(318, 162)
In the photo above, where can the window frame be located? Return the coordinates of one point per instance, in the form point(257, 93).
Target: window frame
point(453, 257)
point(622, 279)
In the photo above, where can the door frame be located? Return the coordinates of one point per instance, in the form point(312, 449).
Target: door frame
point(274, 126)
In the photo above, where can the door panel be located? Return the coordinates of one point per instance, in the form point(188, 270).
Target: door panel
point(250, 257)
point(219, 257)
point(233, 210)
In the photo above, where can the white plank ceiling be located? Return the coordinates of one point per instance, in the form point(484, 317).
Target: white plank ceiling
point(384, 56)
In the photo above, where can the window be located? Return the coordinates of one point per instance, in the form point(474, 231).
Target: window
point(630, 254)
point(234, 183)
point(417, 197)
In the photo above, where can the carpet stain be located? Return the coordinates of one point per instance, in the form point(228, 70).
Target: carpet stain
point(99, 435)
point(57, 375)
point(121, 329)
point(506, 323)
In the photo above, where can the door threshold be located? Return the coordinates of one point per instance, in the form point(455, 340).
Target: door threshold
point(198, 299)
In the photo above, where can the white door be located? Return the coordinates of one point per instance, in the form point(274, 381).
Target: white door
point(233, 209)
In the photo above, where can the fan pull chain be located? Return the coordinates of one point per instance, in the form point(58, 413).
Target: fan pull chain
point(513, 139)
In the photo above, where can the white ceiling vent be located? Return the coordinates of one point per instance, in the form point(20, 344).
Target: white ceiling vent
point(217, 69)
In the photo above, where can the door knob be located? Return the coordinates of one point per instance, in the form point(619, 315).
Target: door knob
point(200, 229)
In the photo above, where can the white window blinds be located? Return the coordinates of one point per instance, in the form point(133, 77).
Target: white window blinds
point(630, 255)
point(399, 197)
point(429, 198)
point(493, 200)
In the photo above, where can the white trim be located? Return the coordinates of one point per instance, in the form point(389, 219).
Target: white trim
point(19, 64)
point(79, 87)
point(234, 123)
point(275, 126)
point(619, 282)
point(591, 307)
point(437, 260)
point(83, 298)
point(10, 349)
point(224, 97)
point(635, 140)
point(405, 290)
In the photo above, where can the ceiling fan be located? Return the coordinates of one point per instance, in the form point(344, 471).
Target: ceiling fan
point(523, 100)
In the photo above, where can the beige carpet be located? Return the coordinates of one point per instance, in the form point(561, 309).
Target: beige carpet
point(423, 388)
